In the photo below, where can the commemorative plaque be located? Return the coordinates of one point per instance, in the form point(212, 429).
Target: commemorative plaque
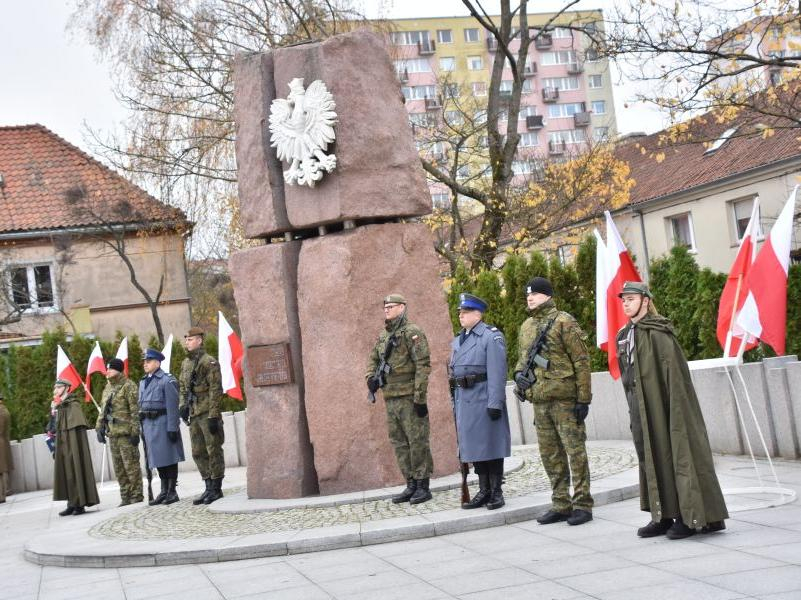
point(270, 365)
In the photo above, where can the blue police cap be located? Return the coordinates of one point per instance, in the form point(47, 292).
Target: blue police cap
point(471, 302)
point(153, 354)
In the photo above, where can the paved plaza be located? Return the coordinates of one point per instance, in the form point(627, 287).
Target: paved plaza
point(758, 556)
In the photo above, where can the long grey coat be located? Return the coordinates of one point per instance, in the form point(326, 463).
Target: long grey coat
point(161, 393)
point(481, 438)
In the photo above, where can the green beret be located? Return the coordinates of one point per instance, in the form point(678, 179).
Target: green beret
point(635, 287)
point(194, 331)
point(394, 299)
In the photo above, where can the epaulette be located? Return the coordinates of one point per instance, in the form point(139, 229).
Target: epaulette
point(493, 328)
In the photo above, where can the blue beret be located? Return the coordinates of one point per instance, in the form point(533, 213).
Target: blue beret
point(471, 302)
point(152, 354)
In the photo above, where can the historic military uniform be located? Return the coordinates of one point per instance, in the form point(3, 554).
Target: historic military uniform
point(119, 423)
point(201, 395)
point(677, 472)
point(6, 464)
point(477, 370)
point(405, 389)
point(561, 396)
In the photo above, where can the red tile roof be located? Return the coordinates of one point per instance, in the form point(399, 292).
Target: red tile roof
point(50, 184)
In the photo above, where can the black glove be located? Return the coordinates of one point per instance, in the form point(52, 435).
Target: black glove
point(101, 436)
point(522, 381)
point(183, 412)
point(421, 410)
point(214, 425)
point(581, 410)
point(172, 436)
point(372, 384)
point(134, 439)
point(494, 413)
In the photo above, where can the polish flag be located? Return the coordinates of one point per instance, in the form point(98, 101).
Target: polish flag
point(122, 354)
point(730, 335)
point(66, 370)
point(601, 330)
point(764, 313)
point(230, 355)
point(619, 269)
point(96, 365)
point(167, 352)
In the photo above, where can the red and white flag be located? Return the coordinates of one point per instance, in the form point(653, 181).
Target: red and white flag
point(601, 330)
point(764, 313)
point(167, 352)
point(66, 370)
point(731, 335)
point(96, 365)
point(122, 354)
point(619, 269)
point(230, 355)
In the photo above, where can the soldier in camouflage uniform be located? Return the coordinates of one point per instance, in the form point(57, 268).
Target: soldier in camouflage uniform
point(201, 394)
point(405, 387)
point(561, 396)
point(119, 423)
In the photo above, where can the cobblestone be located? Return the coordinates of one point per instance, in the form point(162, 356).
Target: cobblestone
point(183, 520)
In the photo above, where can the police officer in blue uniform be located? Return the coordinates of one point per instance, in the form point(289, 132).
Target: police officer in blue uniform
point(158, 414)
point(477, 370)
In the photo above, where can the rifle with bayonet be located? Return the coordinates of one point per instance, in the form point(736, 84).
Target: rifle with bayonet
point(464, 467)
point(527, 378)
point(379, 378)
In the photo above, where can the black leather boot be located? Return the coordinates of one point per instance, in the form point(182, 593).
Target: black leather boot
point(496, 495)
point(483, 495)
point(172, 495)
point(422, 493)
point(67, 511)
point(405, 495)
point(79, 510)
point(202, 498)
point(654, 528)
point(216, 491)
point(160, 498)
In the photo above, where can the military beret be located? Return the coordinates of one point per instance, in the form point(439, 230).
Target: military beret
point(635, 287)
point(195, 331)
point(116, 364)
point(65, 382)
point(153, 354)
point(539, 285)
point(394, 299)
point(471, 302)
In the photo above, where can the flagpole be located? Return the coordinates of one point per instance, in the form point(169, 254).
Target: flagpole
point(92, 398)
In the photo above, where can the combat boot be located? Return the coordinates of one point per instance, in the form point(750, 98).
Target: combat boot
point(216, 491)
point(679, 530)
point(124, 502)
point(200, 499)
point(496, 496)
point(67, 511)
point(422, 493)
point(552, 516)
point(172, 495)
point(483, 495)
point(405, 495)
point(654, 529)
point(160, 498)
point(79, 510)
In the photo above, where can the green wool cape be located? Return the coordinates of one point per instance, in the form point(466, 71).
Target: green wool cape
point(73, 477)
point(679, 473)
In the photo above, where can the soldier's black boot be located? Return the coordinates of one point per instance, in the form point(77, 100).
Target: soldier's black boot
point(216, 491)
point(160, 498)
point(483, 495)
point(172, 495)
point(67, 511)
point(79, 510)
point(496, 495)
point(405, 495)
point(654, 528)
point(201, 499)
point(422, 493)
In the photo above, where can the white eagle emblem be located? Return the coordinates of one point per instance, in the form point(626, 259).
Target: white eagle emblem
point(302, 126)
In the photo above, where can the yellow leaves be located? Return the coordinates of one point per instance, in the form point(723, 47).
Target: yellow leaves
point(768, 132)
point(642, 151)
point(659, 157)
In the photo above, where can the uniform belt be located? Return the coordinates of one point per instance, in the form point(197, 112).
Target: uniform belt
point(468, 381)
point(152, 414)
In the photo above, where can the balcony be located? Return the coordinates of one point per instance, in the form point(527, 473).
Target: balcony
point(534, 122)
point(434, 103)
point(530, 70)
point(543, 41)
point(426, 47)
point(550, 94)
point(403, 76)
point(492, 44)
point(581, 119)
point(575, 68)
point(556, 147)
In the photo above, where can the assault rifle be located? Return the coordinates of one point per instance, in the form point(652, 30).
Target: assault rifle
point(464, 467)
point(190, 397)
point(383, 368)
point(533, 359)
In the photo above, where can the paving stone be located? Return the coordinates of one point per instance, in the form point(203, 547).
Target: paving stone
point(697, 590)
point(777, 579)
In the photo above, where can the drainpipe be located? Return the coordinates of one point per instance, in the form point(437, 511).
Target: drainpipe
point(647, 262)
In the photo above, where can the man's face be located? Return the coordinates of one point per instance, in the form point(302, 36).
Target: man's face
point(193, 342)
point(59, 390)
point(111, 373)
point(151, 365)
point(632, 304)
point(392, 310)
point(536, 299)
point(469, 317)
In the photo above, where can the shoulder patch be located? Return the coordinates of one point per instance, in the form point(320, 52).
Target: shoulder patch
point(493, 328)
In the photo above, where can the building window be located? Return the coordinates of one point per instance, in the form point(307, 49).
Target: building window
point(441, 201)
point(527, 87)
point(506, 85)
point(568, 136)
point(32, 287)
point(479, 88)
point(599, 107)
point(556, 111)
point(741, 213)
point(591, 54)
point(444, 36)
point(453, 117)
point(563, 254)
point(408, 38)
point(463, 172)
point(561, 83)
point(528, 139)
point(527, 111)
point(560, 57)
point(450, 90)
point(600, 134)
point(413, 65)
point(475, 63)
point(595, 81)
point(447, 63)
point(471, 35)
point(521, 167)
point(561, 33)
point(422, 119)
point(681, 230)
point(720, 141)
point(419, 92)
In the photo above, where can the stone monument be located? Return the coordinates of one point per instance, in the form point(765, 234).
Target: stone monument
point(309, 299)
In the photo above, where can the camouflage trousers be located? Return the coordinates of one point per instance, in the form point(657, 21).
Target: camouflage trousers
point(409, 436)
point(562, 450)
point(207, 447)
point(125, 458)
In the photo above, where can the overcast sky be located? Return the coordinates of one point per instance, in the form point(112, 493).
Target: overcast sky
point(50, 76)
